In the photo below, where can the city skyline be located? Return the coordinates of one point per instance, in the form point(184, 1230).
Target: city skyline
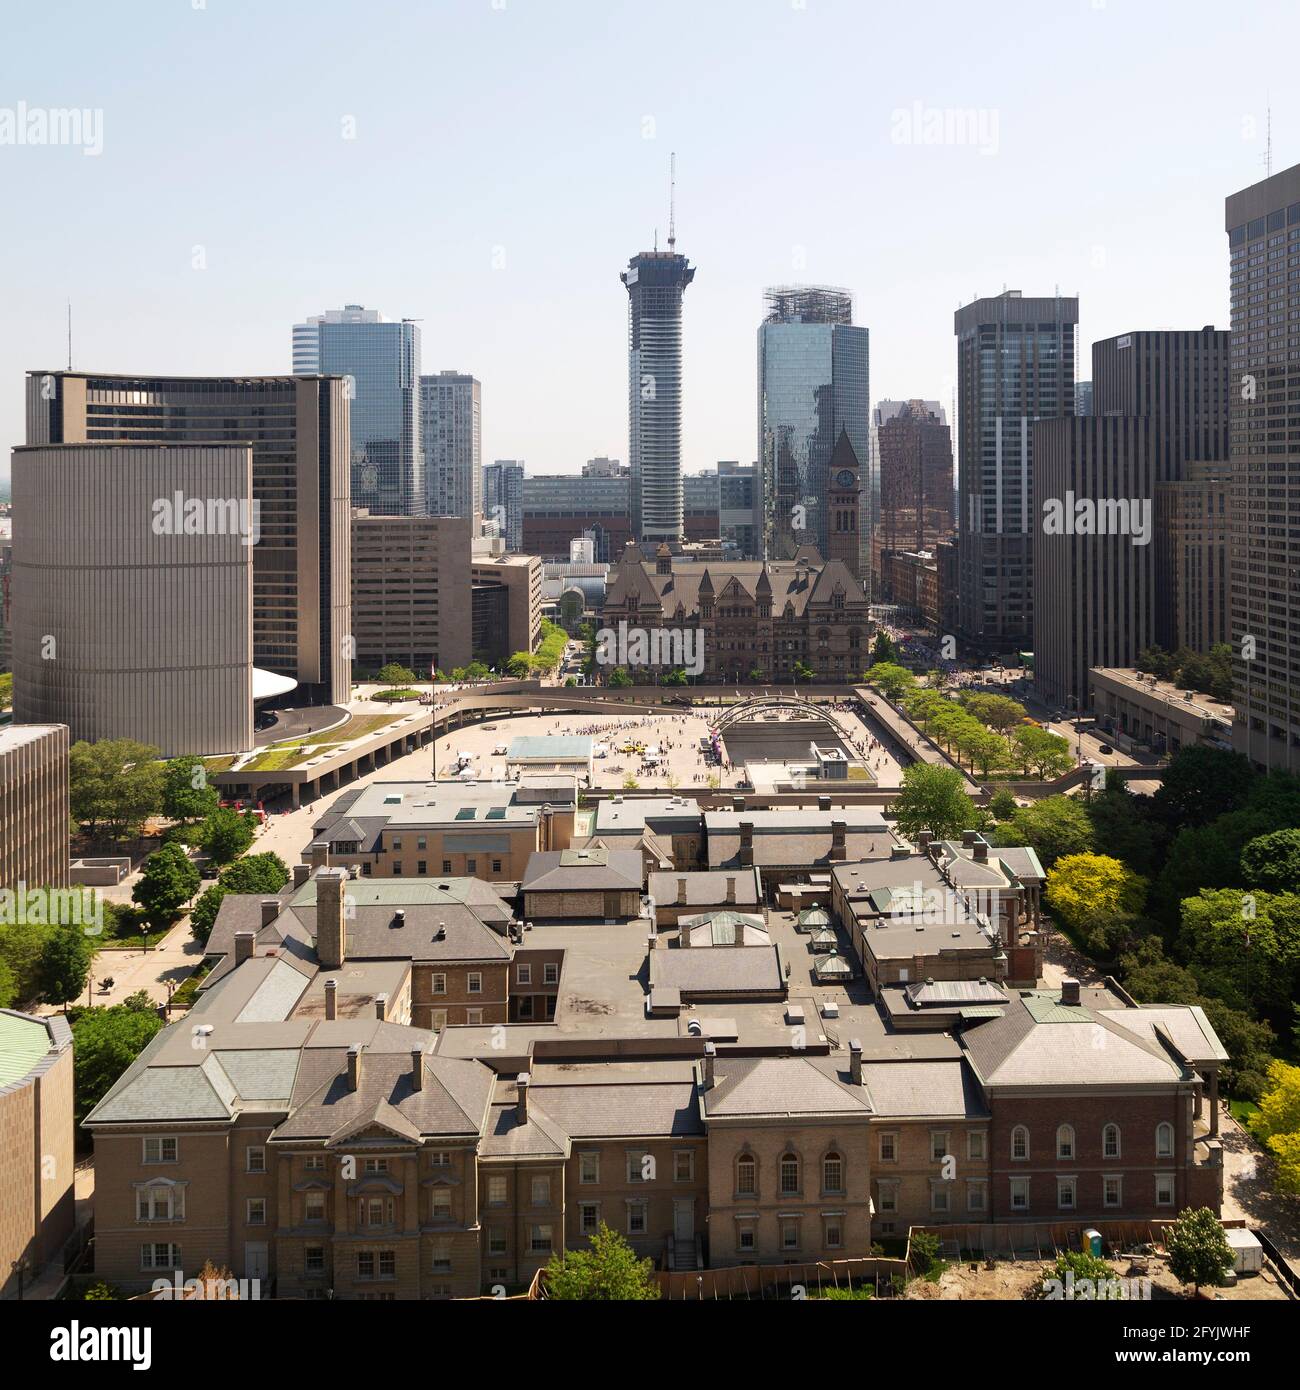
point(196, 292)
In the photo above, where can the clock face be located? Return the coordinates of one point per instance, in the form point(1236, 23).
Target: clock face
point(846, 478)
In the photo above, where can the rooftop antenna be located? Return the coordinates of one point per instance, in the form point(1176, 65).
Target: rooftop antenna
point(69, 334)
point(672, 202)
point(1268, 144)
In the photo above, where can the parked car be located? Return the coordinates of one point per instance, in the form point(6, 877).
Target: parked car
point(1104, 748)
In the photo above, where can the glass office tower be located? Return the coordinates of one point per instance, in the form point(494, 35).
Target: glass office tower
point(380, 360)
point(813, 382)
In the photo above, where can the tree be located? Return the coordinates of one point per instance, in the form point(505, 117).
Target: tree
point(395, 674)
point(204, 916)
point(1052, 828)
point(756, 673)
point(22, 944)
point(609, 1271)
point(999, 712)
point(520, 665)
point(883, 650)
point(1044, 752)
point(1096, 898)
point(1120, 826)
point(187, 794)
point(1071, 1269)
point(1200, 784)
point(117, 783)
point(803, 672)
point(1277, 1125)
point(255, 873)
point(1003, 804)
point(168, 881)
point(8, 986)
point(1198, 1250)
point(630, 784)
point(1243, 947)
point(677, 676)
point(1272, 862)
point(619, 678)
point(226, 834)
point(891, 680)
point(934, 799)
point(6, 689)
point(105, 1043)
point(64, 965)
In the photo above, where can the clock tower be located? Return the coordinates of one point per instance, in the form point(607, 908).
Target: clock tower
point(843, 505)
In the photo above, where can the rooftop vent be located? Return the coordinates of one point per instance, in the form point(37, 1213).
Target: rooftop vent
point(441, 933)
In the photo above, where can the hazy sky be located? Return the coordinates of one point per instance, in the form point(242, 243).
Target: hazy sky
point(510, 155)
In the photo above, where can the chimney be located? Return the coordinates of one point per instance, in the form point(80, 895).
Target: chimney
point(839, 848)
point(968, 837)
point(381, 1007)
point(747, 843)
point(897, 852)
point(331, 923)
point(244, 941)
point(331, 1000)
point(354, 1067)
point(731, 889)
point(1070, 992)
point(301, 873)
point(417, 1069)
point(270, 910)
point(823, 803)
point(855, 1061)
point(320, 855)
point(981, 850)
point(521, 1103)
point(710, 1057)
point(925, 838)
point(681, 891)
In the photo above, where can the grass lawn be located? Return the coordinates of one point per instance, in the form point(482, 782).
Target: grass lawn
point(1242, 1110)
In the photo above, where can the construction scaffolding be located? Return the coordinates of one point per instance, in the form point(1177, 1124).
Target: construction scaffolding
point(808, 304)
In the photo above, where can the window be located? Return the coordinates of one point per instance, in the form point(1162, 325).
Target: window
point(440, 1203)
point(313, 1261)
point(496, 866)
point(1164, 1141)
point(588, 1217)
point(255, 1159)
point(438, 1019)
point(1067, 1192)
point(377, 1211)
point(1164, 1189)
point(746, 1176)
point(938, 1145)
point(1065, 1141)
point(636, 1218)
point(1110, 1142)
point(940, 1196)
point(744, 1238)
point(550, 973)
point(160, 1255)
point(438, 984)
point(421, 867)
point(975, 1144)
point(439, 1158)
point(314, 1163)
point(496, 1240)
point(446, 866)
point(638, 1169)
point(832, 1172)
point(376, 1264)
point(888, 1195)
point(539, 1240)
point(313, 1206)
point(473, 1017)
point(977, 1196)
point(888, 1146)
point(374, 1165)
point(1020, 1142)
point(789, 1174)
point(684, 1165)
point(525, 974)
point(471, 866)
point(159, 1201)
point(541, 1191)
point(496, 1191)
point(1112, 1192)
point(397, 868)
point(397, 842)
point(588, 1167)
point(789, 1233)
point(421, 842)
point(256, 1214)
point(160, 1150)
point(474, 982)
point(1019, 1194)
point(442, 1257)
point(832, 1233)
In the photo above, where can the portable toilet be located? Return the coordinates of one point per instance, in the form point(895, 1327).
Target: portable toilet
point(1092, 1242)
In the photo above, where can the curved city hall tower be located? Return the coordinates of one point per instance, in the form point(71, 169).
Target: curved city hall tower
point(656, 281)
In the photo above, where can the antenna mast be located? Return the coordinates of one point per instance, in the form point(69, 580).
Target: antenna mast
point(1268, 145)
point(69, 334)
point(672, 202)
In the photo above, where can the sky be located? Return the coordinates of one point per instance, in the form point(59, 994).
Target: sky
point(489, 166)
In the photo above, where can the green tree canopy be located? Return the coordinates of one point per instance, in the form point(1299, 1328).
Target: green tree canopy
point(1052, 828)
point(1272, 862)
point(187, 794)
point(1198, 1249)
point(608, 1272)
point(1096, 898)
point(1201, 783)
point(105, 1043)
point(115, 784)
point(893, 681)
point(619, 678)
point(167, 882)
point(226, 834)
point(934, 799)
point(883, 650)
point(1243, 947)
point(64, 965)
point(1121, 826)
point(1277, 1125)
point(395, 674)
point(255, 873)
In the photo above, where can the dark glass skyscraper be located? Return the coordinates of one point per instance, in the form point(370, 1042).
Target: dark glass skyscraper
point(380, 360)
point(813, 383)
point(656, 282)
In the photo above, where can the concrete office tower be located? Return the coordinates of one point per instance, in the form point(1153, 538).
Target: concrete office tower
point(1015, 365)
point(813, 385)
point(380, 360)
point(133, 593)
point(1263, 225)
point(503, 500)
point(1193, 536)
point(916, 511)
point(1083, 398)
point(450, 426)
point(298, 429)
point(411, 591)
point(656, 283)
point(34, 805)
point(739, 507)
point(1102, 576)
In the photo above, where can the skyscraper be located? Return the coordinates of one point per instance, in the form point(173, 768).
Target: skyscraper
point(503, 500)
point(914, 455)
point(380, 361)
point(1263, 226)
point(450, 428)
point(813, 385)
point(1015, 365)
point(656, 282)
